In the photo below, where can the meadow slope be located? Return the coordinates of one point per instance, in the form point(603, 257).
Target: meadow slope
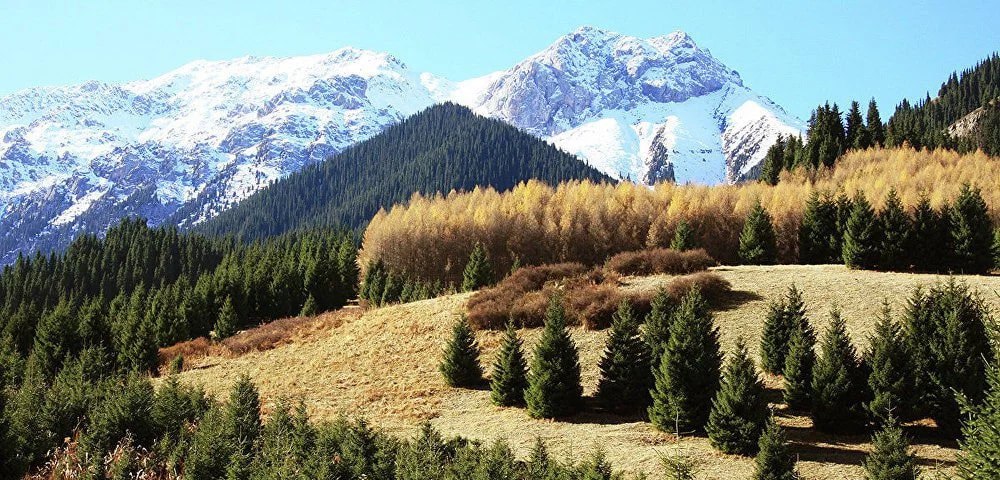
point(382, 365)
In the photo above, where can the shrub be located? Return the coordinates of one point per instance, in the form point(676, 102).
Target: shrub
point(492, 307)
point(660, 261)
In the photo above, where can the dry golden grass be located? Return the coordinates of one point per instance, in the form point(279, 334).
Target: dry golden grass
point(383, 365)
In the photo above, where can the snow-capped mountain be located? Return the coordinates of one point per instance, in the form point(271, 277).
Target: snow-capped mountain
point(185, 146)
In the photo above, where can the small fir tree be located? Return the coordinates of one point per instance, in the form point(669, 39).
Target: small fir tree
point(891, 458)
point(656, 330)
point(243, 416)
point(774, 460)
point(460, 365)
point(837, 386)
point(861, 237)
point(739, 411)
point(227, 323)
point(980, 437)
point(683, 237)
point(478, 272)
point(889, 375)
point(626, 375)
point(309, 309)
point(554, 388)
point(688, 375)
point(895, 236)
point(509, 379)
point(799, 365)
point(971, 232)
point(757, 241)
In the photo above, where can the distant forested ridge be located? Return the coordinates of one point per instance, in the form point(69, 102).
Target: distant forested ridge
point(446, 147)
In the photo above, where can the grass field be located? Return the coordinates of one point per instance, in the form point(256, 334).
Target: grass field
point(382, 365)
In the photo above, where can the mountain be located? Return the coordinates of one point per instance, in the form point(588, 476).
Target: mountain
point(192, 143)
point(445, 147)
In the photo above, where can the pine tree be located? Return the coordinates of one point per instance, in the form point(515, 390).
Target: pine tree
point(757, 241)
point(774, 460)
point(227, 323)
point(554, 388)
point(739, 411)
point(861, 239)
point(927, 240)
point(460, 365)
point(818, 237)
point(980, 438)
point(895, 234)
point(688, 375)
point(837, 386)
point(243, 416)
point(799, 365)
point(626, 374)
point(890, 458)
point(890, 374)
point(857, 135)
point(509, 379)
point(876, 128)
point(683, 237)
point(309, 309)
point(656, 330)
point(478, 272)
point(971, 232)
point(774, 340)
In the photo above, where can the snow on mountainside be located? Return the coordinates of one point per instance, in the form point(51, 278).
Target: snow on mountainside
point(185, 146)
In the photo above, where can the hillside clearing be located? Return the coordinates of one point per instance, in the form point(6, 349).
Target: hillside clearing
point(382, 365)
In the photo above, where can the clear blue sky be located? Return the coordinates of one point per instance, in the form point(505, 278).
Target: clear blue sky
point(797, 52)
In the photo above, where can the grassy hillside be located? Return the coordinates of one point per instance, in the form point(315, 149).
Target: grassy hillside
point(382, 364)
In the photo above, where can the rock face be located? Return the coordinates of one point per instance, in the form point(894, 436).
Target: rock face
point(189, 144)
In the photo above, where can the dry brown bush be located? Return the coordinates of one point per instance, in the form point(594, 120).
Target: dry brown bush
point(713, 287)
point(490, 308)
point(660, 260)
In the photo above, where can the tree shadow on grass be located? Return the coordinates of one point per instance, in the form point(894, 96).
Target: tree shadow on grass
point(734, 299)
point(852, 449)
point(593, 413)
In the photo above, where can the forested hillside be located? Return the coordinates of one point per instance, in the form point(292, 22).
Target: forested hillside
point(443, 148)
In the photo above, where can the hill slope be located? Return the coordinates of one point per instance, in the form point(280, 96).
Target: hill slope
point(443, 148)
point(345, 368)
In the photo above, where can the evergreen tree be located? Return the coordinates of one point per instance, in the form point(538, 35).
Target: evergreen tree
point(478, 272)
point(837, 386)
point(927, 240)
point(683, 237)
point(509, 379)
point(243, 416)
point(890, 375)
point(774, 460)
point(861, 237)
point(857, 134)
point(895, 236)
point(739, 411)
point(774, 162)
point(227, 323)
point(890, 458)
point(460, 365)
point(757, 241)
point(656, 330)
point(819, 241)
point(554, 388)
point(971, 232)
point(996, 248)
point(876, 129)
point(799, 365)
point(626, 373)
point(309, 309)
point(774, 340)
point(688, 375)
point(980, 438)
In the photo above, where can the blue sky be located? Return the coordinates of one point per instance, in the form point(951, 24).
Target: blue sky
point(799, 53)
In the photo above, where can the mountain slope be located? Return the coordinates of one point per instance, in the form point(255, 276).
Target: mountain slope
point(193, 142)
point(443, 148)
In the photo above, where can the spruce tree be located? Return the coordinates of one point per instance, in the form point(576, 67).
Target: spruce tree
point(819, 241)
point(310, 308)
point(889, 375)
point(895, 235)
point(980, 455)
point(460, 364)
point(683, 237)
point(227, 323)
point(775, 338)
point(857, 135)
point(554, 388)
point(876, 129)
point(774, 460)
point(656, 330)
point(971, 232)
point(927, 242)
point(688, 375)
point(478, 272)
point(861, 237)
point(799, 365)
point(626, 374)
point(757, 241)
point(838, 384)
point(509, 378)
point(243, 416)
point(891, 458)
point(739, 411)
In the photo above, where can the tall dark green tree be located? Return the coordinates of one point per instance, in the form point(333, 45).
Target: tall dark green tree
point(838, 382)
point(554, 388)
point(895, 235)
point(509, 378)
point(857, 134)
point(626, 375)
point(688, 375)
point(799, 365)
point(819, 240)
point(656, 330)
point(971, 232)
point(861, 237)
point(774, 340)
point(980, 438)
point(927, 238)
point(891, 458)
point(876, 128)
point(757, 241)
point(774, 460)
point(739, 411)
point(890, 374)
point(478, 272)
point(460, 364)
point(683, 237)
point(227, 323)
